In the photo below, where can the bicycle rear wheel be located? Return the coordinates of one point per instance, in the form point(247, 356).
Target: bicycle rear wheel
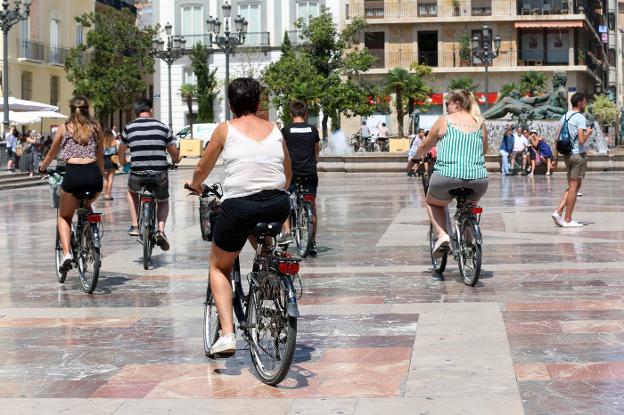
point(439, 263)
point(211, 321)
point(272, 333)
point(58, 258)
point(470, 252)
point(89, 260)
point(304, 230)
point(146, 234)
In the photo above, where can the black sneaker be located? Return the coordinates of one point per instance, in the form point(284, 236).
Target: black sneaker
point(161, 241)
point(133, 231)
point(313, 251)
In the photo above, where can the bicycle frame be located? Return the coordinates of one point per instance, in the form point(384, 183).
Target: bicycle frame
point(464, 210)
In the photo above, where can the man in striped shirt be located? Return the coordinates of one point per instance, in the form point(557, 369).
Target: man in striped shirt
point(149, 141)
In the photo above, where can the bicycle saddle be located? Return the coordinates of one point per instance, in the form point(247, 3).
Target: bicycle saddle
point(84, 195)
point(267, 229)
point(461, 192)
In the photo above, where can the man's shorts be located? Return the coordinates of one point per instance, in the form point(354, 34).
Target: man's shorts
point(440, 186)
point(158, 182)
point(576, 165)
point(309, 183)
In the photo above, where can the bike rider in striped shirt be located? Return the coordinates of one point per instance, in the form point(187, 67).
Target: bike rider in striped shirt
point(149, 141)
point(461, 139)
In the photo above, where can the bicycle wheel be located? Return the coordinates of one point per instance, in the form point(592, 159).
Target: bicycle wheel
point(211, 321)
point(272, 333)
point(146, 234)
point(304, 229)
point(240, 296)
point(469, 252)
point(58, 257)
point(89, 260)
point(438, 264)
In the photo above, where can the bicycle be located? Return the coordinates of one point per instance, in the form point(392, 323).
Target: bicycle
point(267, 312)
point(301, 214)
point(466, 239)
point(84, 241)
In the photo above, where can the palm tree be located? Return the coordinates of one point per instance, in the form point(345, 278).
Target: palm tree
point(533, 83)
point(407, 86)
point(463, 82)
point(188, 92)
point(507, 89)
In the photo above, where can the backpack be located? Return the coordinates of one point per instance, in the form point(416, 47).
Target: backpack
point(565, 141)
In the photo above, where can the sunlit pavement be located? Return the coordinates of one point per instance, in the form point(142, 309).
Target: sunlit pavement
point(542, 333)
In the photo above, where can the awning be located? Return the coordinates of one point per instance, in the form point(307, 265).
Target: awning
point(16, 104)
point(20, 118)
point(548, 24)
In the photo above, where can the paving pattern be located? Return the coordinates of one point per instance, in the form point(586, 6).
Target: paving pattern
point(542, 333)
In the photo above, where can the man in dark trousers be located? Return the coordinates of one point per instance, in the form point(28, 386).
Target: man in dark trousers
point(303, 142)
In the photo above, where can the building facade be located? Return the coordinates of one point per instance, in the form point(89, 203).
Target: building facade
point(268, 21)
point(577, 37)
point(37, 50)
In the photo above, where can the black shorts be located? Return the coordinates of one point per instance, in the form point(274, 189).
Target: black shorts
point(309, 183)
point(108, 163)
point(80, 178)
point(158, 182)
point(240, 215)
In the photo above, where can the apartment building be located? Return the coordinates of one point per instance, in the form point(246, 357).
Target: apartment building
point(574, 36)
point(37, 50)
point(268, 21)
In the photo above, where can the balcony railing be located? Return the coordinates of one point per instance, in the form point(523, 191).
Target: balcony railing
point(295, 37)
point(380, 55)
point(537, 7)
point(427, 9)
point(31, 50)
point(252, 39)
point(56, 55)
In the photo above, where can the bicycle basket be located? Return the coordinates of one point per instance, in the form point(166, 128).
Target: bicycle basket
point(55, 181)
point(209, 208)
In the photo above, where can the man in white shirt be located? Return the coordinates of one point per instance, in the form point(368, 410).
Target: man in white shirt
point(521, 142)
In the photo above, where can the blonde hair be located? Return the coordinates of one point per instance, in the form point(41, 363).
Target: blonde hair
point(109, 137)
point(467, 102)
point(83, 124)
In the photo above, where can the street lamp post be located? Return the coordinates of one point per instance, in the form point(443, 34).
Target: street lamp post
point(8, 18)
point(482, 50)
point(174, 50)
point(228, 41)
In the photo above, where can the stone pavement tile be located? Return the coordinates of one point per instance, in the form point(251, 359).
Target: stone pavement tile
point(332, 406)
point(566, 305)
point(480, 403)
point(592, 326)
point(573, 398)
point(341, 300)
point(204, 406)
point(533, 327)
point(68, 322)
point(591, 371)
point(531, 372)
point(28, 406)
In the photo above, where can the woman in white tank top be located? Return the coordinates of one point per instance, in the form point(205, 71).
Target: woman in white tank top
point(257, 174)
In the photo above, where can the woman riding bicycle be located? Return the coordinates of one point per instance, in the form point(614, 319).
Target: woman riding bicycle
point(461, 139)
point(78, 143)
point(257, 174)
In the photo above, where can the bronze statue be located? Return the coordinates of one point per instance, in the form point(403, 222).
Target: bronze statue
point(547, 106)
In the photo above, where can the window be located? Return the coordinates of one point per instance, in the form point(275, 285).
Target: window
point(79, 35)
point(55, 26)
point(192, 24)
point(307, 9)
point(55, 90)
point(251, 13)
point(375, 43)
point(27, 85)
point(25, 29)
point(189, 77)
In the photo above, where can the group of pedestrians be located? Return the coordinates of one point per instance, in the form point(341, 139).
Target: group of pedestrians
point(23, 150)
point(529, 147)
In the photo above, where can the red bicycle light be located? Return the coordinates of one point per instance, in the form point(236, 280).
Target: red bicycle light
point(288, 268)
point(94, 218)
point(309, 198)
point(146, 200)
point(477, 210)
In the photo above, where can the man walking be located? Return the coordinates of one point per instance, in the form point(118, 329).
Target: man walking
point(149, 141)
point(576, 161)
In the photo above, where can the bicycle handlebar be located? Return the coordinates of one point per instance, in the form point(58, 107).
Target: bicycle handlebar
point(215, 190)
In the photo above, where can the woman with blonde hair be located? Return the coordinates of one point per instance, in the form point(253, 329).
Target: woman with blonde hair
point(78, 143)
point(461, 139)
point(110, 149)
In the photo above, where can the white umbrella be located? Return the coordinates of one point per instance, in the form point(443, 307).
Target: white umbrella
point(23, 117)
point(47, 114)
point(23, 105)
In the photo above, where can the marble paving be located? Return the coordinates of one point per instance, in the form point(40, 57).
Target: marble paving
point(542, 333)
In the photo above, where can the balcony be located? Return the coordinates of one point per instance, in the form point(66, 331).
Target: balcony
point(56, 55)
point(543, 7)
point(428, 9)
point(252, 40)
point(31, 50)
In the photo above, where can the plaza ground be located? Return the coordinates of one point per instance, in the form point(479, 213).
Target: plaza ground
point(543, 332)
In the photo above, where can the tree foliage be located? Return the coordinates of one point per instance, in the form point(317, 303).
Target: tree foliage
point(463, 82)
point(507, 89)
point(532, 83)
point(605, 110)
point(207, 85)
point(322, 70)
point(407, 86)
point(188, 92)
point(109, 68)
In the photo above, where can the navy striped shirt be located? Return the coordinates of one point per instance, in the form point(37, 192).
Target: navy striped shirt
point(147, 139)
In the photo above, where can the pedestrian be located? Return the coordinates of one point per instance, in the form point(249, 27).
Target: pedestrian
point(540, 153)
point(110, 167)
point(28, 143)
point(383, 137)
point(521, 142)
point(416, 142)
point(506, 150)
point(11, 146)
point(575, 161)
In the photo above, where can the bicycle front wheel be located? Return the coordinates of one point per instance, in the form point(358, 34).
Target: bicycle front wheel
point(469, 252)
point(146, 235)
point(272, 332)
point(89, 260)
point(58, 257)
point(437, 262)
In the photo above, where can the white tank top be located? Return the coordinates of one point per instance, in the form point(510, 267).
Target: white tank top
point(252, 166)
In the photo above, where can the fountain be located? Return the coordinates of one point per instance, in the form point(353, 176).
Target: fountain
point(338, 145)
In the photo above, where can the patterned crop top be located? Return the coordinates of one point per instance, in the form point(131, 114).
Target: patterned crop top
point(71, 148)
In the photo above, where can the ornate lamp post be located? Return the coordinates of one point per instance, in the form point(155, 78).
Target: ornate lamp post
point(482, 50)
point(228, 41)
point(8, 18)
point(169, 51)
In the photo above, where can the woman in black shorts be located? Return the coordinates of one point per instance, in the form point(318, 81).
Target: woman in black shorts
point(257, 174)
point(78, 143)
point(110, 167)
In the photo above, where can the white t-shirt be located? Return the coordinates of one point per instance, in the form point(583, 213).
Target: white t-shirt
point(520, 142)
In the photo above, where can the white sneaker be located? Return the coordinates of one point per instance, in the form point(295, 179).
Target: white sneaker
point(225, 346)
point(557, 218)
point(579, 194)
point(572, 224)
point(440, 245)
point(66, 263)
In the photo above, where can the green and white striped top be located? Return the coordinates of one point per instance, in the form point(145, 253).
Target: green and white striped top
point(460, 154)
